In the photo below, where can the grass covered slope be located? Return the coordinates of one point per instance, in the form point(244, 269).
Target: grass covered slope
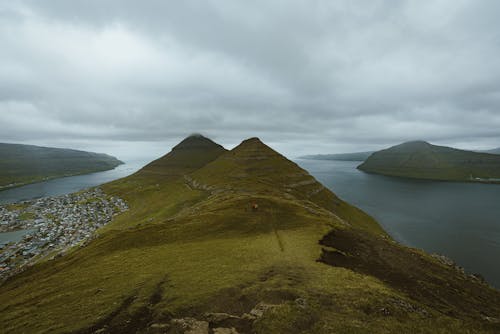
point(242, 239)
point(422, 160)
point(23, 164)
point(190, 154)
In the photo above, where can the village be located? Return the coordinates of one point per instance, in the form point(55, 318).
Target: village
point(52, 225)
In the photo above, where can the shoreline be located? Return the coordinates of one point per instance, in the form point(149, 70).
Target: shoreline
point(18, 185)
point(469, 181)
point(55, 224)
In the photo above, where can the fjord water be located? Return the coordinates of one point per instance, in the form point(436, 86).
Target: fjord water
point(459, 220)
point(67, 185)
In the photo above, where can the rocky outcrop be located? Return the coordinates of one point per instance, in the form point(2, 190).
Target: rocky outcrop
point(259, 310)
point(225, 331)
point(188, 326)
point(216, 323)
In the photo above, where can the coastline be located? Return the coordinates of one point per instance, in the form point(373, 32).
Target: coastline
point(476, 180)
point(48, 178)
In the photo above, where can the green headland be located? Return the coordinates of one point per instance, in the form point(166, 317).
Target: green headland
point(23, 164)
point(242, 241)
point(421, 160)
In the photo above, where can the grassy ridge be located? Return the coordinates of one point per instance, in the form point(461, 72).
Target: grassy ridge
point(191, 243)
point(425, 161)
point(23, 164)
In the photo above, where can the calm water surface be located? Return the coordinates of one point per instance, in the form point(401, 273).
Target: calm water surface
point(62, 186)
point(459, 220)
point(67, 185)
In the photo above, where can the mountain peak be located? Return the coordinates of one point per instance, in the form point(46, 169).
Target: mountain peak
point(195, 140)
point(191, 153)
point(415, 143)
point(196, 135)
point(251, 166)
point(253, 140)
point(253, 148)
point(412, 146)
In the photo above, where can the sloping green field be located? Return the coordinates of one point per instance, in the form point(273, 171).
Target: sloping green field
point(211, 231)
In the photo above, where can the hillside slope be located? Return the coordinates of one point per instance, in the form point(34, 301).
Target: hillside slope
point(242, 241)
point(422, 160)
point(23, 164)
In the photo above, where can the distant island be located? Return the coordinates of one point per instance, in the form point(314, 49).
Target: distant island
point(356, 156)
point(421, 160)
point(24, 164)
point(493, 151)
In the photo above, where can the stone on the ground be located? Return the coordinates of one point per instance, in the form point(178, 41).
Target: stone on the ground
point(221, 330)
point(189, 326)
point(261, 308)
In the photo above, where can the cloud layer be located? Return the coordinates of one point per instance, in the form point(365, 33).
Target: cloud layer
point(305, 76)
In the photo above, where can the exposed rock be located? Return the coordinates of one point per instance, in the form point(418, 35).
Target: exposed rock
point(189, 326)
point(259, 310)
point(450, 263)
point(158, 328)
point(194, 184)
point(443, 259)
point(217, 318)
point(404, 305)
point(221, 330)
point(492, 320)
point(248, 317)
point(302, 183)
point(301, 302)
point(385, 311)
point(478, 278)
point(100, 331)
point(224, 320)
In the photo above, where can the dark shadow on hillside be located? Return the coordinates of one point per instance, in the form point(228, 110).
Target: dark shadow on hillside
point(439, 286)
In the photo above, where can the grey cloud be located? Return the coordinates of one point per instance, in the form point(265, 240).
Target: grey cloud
point(329, 75)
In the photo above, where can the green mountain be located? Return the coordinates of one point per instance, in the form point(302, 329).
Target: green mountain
point(242, 241)
point(493, 151)
point(23, 164)
point(190, 154)
point(357, 156)
point(419, 159)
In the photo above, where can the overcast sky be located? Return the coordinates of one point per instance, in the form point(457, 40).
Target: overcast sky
point(135, 77)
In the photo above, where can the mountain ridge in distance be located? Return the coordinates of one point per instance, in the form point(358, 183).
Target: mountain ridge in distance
point(422, 160)
point(191, 153)
point(354, 156)
point(492, 151)
point(23, 164)
point(242, 241)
